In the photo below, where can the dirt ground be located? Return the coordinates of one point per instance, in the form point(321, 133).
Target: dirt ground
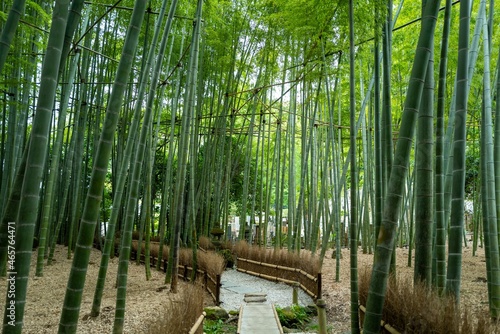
point(146, 299)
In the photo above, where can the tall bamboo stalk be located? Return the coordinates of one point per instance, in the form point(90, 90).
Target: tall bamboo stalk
point(353, 221)
point(189, 98)
point(424, 192)
point(488, 185)
point(454, 270)
point(397, 181)
point(440, 244)
point(35, 163)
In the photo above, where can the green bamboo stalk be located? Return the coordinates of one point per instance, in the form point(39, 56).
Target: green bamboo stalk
point(424, 192)
point(291, 132)
point(189, 98)
point(448, 140)
point(363, 202)
point(10, 142)
point(454, 270)
point(497, 142)
point(77, 184)
point(312, 236)
point(54, 169)
point(130, 213)
point(353, 219)
point(172, 151)
point(280, 156)
point(386, 117)
point(66, 174)
point(76, 281)
point(334, 171)
point(246, 172)
point(10, 213)
point(440, 245)
point(74, 16)
point(488, 185)
point(173, 145)
point(388, 229)
point(29, 74)
point(195, 191)
point(29, 200)
point(411, 241)
point(307, 144)
point(135, 169)
point(9, 30)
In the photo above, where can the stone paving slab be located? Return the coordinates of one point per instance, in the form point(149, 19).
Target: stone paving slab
point(256, 299)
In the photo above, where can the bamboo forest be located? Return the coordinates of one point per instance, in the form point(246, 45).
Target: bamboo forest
point(162, 142)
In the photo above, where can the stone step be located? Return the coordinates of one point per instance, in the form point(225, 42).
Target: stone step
point(255, 299)
point(254, 294)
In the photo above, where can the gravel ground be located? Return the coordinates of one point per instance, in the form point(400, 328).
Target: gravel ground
point(235, 284)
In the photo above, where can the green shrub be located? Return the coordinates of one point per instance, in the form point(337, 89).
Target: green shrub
point(213, 326)
point(294, 316)
point(218, 327)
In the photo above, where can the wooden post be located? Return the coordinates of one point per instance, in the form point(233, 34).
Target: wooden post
point(295, 294)
point(321, 306)
point(319, 292)
point(217, 290)
point(164, 265)
point(185, 272)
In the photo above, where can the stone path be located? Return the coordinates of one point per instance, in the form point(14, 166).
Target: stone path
point(236, 284)
point(256, 299)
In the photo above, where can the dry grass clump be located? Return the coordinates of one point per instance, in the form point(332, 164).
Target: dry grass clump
point(153, 248)
point(411, 308)
point(182, 311)
point(211, 262)
point(304, 260)
point(205, 243)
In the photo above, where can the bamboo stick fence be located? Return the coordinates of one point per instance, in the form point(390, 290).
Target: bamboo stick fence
point(273, 272)
point(385, 328)
point(210, 284)
point(198, 325)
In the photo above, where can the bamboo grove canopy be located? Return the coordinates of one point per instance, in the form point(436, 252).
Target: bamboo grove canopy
point(297, 124)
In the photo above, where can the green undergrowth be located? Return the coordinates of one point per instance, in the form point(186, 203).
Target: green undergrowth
point(218, 327)
point(297, 317)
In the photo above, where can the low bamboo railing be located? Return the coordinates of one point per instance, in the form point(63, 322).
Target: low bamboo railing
point(198, 325)
point(210, 284)
point(307, 282)
point(384, 326)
